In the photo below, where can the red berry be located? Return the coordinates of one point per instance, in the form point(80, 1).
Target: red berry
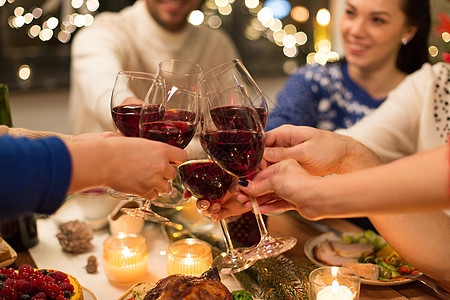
point(24, 286)
point(67, 287)
point(59, 276)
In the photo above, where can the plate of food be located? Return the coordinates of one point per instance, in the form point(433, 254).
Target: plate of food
point(208, 286)
point(367, 254)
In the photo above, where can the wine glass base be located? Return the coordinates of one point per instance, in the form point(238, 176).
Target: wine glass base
point(231, 262)
point(271, 248)
point(144, 214)
point(122, 196)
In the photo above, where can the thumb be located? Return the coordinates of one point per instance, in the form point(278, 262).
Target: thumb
point(277, 154)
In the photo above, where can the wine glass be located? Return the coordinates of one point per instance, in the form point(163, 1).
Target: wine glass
point(131, 91)
point(179, 75)
point(208, 181)
point(233, 135)
point(128, 95)
point(177, 126)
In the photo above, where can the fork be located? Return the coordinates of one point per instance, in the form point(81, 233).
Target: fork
point(430, 283)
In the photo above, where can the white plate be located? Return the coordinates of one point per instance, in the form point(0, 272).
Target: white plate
point(314, 241)
point(88, 295)
point(71, 211)
point(9, 261)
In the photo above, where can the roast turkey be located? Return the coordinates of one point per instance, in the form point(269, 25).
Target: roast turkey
point(177, 287)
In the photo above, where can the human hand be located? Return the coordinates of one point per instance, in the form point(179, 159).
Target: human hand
point(320, 152)
point(227, 207)
point(93, 135)
point(132, 165)
point(279, 187)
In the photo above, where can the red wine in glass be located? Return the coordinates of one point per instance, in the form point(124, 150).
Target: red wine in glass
point(126, 117)
point(238, 151)
point(177, 128)
point(208, 181)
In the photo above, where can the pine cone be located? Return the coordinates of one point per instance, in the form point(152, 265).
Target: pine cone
point(75, 236)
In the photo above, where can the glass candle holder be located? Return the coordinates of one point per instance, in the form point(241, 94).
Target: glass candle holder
point(189, 257)
point(125, 257)
point(334, 283)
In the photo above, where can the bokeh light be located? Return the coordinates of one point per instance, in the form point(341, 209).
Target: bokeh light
point(24, 72)
point(280, 8)
point(323, 17)
point(433, 50)
point(196, 17)
point(300, 14)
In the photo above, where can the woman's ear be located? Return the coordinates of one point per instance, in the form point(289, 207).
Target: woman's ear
point(409, 34)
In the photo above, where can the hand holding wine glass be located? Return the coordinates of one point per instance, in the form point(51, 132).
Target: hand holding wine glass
point(233, 136)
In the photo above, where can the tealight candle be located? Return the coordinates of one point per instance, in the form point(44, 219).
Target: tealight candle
point(125, 257)
point(334, 283)
point(189, 257)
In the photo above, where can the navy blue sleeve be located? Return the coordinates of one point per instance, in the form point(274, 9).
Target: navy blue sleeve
point(34, 175)
point(296, 103)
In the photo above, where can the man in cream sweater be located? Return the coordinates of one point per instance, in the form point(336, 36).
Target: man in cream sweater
point(135, 39)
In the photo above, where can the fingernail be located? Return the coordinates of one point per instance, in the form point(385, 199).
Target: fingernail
point(204, 204)
point(214, 217)
point(215, 207)
point(243, 182)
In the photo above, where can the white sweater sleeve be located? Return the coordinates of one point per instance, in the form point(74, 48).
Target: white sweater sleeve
point(392, 131)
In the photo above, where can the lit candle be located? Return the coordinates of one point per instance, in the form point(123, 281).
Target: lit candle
point(125, 257)
point(334, 283)
point(335, 292)
point(188, 257)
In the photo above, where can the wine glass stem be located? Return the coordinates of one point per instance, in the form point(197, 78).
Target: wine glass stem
point(265, 238)
point(226, 234)
point(147, 205)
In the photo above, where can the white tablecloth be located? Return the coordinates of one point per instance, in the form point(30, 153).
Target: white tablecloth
point(49, 254)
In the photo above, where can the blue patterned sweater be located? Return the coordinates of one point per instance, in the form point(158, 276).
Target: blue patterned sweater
point(323, 97)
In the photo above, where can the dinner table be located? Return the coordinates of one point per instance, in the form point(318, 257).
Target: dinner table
point(49, 254)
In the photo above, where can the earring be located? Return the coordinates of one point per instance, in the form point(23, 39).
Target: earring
point(404, 41)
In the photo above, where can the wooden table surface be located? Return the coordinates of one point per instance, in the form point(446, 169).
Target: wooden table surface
point(288, 224)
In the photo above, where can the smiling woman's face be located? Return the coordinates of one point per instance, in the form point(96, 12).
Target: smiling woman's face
point(172, 14)
point(372, 31)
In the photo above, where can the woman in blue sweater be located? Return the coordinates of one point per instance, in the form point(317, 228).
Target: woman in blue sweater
point(384, 40)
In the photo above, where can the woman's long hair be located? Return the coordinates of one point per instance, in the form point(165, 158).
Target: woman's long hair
point(414, 54)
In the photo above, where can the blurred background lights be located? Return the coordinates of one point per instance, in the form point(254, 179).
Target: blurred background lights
point(446, 37)
point(433, 50)
point(290, 51)
point(34, 31)
point(265, 15)
point(46, 34)
point(301, 38)
point(279, 35)
point(24, 72)
point(323, 17)
point(276, 25)
point(214, 21)
point(92, 5)
point(251, 3)
point(77, 3)
point(52, 22)
point(37, 12)
point(28, 18)
point(280, 8)
point(226, 10)
point(196, 17)
point(2, 2)
point(221, 3)
point(18, 11)
point(300, 14)
point(289, 41)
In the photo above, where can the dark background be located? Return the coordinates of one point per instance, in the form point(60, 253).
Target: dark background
point(50, 61)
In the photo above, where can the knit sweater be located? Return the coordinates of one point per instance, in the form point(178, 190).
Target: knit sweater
point(415, 117)
point(131, 40)
point(324, 97)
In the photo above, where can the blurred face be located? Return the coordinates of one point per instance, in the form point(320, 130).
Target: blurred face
point(171, 14)
point(372, 31)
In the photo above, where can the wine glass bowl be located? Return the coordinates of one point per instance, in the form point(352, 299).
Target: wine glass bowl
point(178, 126)
point(207, 181)
point(232, 133)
